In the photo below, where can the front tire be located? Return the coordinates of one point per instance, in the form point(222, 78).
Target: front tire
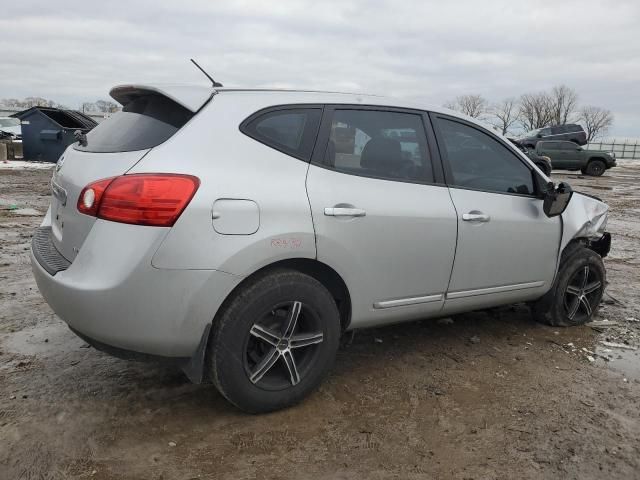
point(577, 290)
point(596, 168)
point(274, 341)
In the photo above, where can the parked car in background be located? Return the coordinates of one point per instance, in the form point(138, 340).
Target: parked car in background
point(570, 132)
point(569, 156)
point(11, 127)
point(542, 162)
point(239, 233)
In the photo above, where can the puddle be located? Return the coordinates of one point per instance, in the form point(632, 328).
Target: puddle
point(621, 360)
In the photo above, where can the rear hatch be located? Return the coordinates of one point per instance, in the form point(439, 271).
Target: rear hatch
point(149, 117)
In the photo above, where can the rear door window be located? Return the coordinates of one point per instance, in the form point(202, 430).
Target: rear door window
point(290, 130)
point(379, 144)
point(144, 122)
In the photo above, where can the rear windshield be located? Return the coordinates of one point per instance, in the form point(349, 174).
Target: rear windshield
point(144, 122)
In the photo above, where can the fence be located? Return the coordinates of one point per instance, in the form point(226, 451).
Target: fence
point(624, 149)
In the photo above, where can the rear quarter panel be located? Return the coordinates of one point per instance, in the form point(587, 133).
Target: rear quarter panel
point(231, 165)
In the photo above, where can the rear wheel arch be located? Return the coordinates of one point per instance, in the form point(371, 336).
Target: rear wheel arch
point(323, 273)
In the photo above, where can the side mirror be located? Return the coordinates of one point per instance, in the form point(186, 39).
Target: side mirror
point(556, 199)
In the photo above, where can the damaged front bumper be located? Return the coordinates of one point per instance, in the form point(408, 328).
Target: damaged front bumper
point(602, 245)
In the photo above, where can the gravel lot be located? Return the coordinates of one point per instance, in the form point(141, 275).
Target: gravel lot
point(488, 395)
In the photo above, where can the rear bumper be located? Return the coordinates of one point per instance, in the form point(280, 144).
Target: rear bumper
point(113, 295)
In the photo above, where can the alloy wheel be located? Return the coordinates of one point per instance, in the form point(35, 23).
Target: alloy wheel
point(582, 294)
point(595, 169)
point(282, 346)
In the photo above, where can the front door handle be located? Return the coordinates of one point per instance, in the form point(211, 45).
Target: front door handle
point(475, 216)
point(344, 212)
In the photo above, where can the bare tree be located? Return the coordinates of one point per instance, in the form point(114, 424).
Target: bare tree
point(505, 114)
point(535, 110)
point(472, 105)
point(563, 104)
point(10, 102)
point(595, 120)
point(37, 102)
point(106, 106)
point(88, 107)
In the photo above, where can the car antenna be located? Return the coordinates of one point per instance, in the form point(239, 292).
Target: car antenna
point(213, 82)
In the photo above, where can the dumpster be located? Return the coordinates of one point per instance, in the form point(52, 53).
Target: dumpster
point(46, 132)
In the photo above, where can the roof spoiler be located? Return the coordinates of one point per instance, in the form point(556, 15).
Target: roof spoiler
point(192, 98)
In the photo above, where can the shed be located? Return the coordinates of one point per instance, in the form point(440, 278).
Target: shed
point(46, 131)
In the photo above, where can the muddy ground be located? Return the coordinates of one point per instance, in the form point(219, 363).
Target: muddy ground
point(490, 395)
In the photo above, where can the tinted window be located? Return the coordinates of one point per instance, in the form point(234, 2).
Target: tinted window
point(379, 144)
point(292, 131)
point(143, 123)
point(574, 128)
point(478, 161)
point(568, 146)
point(551, 145)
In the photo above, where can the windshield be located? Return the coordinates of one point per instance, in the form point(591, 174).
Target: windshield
point(9, 122)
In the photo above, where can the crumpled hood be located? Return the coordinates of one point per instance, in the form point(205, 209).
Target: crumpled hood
point(585, 217)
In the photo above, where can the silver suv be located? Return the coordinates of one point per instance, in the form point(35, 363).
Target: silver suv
point(241, 232)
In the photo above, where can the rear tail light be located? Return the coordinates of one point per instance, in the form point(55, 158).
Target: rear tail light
point(155, 199)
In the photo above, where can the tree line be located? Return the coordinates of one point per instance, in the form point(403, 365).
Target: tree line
point(530, 111)
point(29, 102)
point(102, 106)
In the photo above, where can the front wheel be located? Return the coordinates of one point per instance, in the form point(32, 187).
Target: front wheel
point(595, 168)
point(577, 291)
point(274, 341)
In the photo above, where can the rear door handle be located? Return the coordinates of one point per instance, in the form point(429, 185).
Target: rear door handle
point(344, 212)
point(475, 216)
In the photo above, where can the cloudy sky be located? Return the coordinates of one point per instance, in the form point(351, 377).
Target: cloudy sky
point(73, 51)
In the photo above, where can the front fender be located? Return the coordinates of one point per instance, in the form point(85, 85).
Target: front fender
point(584, 217)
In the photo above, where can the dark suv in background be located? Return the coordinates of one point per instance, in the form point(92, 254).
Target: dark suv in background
point(570, 132)
point(542, 162)
point(569, 156)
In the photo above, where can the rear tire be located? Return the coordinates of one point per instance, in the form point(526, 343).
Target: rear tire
point(576, 292)
point(595, 168)
point(274, 341)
